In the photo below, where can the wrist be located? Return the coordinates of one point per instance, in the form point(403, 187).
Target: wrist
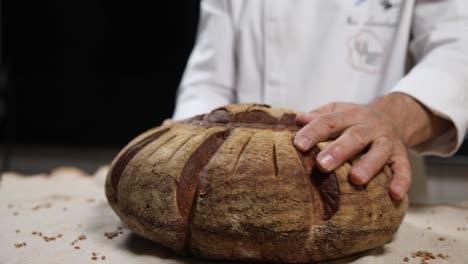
point(410, 119)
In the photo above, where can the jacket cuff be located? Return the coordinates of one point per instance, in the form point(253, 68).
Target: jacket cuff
point(446, 98)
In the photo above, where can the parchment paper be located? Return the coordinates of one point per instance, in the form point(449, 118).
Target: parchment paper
point(43, 218)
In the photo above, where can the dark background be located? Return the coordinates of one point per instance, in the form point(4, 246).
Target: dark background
point(80, 78)
point(91, 72)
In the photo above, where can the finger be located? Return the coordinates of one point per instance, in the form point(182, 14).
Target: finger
point(401, 181)
point(303, 119)
point(350, 143)
point(354, 109)
point(332, 107)
point(168, 121)
point(369, 164)
point(320, 129)
point(325, 109)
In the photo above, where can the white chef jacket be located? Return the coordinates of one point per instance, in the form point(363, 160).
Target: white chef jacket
point(302, 54)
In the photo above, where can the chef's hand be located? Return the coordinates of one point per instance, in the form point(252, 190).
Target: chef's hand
point(387, 127)
point(168, 121)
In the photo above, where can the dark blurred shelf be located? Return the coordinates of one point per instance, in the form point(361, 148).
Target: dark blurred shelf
point(34, 159)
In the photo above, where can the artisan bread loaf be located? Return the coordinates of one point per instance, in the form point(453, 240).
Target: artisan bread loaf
point(231, 185)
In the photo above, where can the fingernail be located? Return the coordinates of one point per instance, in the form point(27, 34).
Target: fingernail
point(398, 191)
point(301, 142)
point(326, 161)
point(358, 176)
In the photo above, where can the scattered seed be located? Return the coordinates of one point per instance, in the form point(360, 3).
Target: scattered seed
point(426, 256)
point(60, 197)
point(442, 256)
point(103, 257)
point(39, 206)
point(82, 237)
point(94, 258)
point(74, 242)
point(34, 233)
point(60, 235)
point(18, 245)
point(405, 259)
point(111, 235)
point(17, 231)
point(77, 247)
point(429, 228)
point(441, 239)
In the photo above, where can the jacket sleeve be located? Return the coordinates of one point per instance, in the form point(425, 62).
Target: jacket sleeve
point(208, 78)
point(439, 80)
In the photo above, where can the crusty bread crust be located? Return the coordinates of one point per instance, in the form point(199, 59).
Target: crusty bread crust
point(231, 185)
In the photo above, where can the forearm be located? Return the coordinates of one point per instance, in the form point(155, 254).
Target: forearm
point(412, 121)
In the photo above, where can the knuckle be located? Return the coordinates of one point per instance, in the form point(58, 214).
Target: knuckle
point(359, 137)
point(328, 122)
point(385, 145)
point(306, 136)
point(401, 150)
point(337, 151)
point(310, 133)
point(358, 112)
point(332, 106)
